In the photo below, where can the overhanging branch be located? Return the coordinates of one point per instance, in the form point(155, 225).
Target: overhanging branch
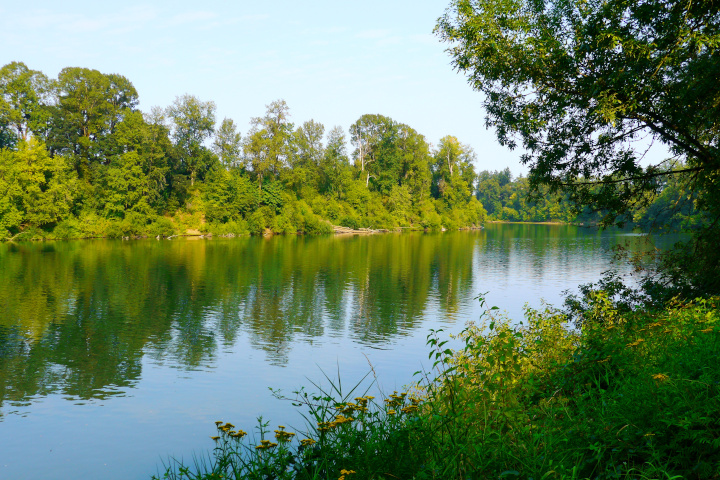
point(642, 177)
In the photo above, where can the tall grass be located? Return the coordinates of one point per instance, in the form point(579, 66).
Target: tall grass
point(629, 394)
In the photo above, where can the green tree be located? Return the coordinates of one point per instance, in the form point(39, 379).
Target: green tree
point(36, 190)
point(335, 165)
point(577, 82)
point(268, 144)
point(193, 122)
point(307, 153)
point(227, 144)
point(89, 106)
point(136, 179)
point(453, 171)
point(24, 96)
point(368, 134)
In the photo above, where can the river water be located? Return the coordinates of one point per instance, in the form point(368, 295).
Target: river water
point(116, 355)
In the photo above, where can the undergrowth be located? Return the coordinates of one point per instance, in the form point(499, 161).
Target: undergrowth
point(625, 394)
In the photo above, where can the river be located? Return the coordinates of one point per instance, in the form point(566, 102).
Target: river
point(115, 355)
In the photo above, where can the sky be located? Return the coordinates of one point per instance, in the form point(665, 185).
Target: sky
point(331, 61)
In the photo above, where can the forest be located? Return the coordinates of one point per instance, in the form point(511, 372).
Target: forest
point(79, 159)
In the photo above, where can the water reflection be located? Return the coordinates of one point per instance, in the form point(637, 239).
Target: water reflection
point(79, 317)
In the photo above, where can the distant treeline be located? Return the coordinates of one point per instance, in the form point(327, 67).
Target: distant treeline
point(507, 199)
point(78, 159)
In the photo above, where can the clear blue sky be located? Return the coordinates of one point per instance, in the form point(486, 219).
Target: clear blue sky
point(331, 61)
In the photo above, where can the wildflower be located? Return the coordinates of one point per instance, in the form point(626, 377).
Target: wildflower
point(635, 343)
point(409, 409)
point(707, 330)
point(661, 377)
point(344, 473)
point(391, 412)
point(283, 436)
point(218, 423)
point(265, 444)
point(306, 442)
point(215, 438)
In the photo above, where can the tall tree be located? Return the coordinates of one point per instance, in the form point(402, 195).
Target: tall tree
point(193, 122)
point(370, 133)
point(268, 144)
point(335, 163)
point(227, 144)
point(577, 82)
point(24, 96)
point(453, 171)
point(89, 106)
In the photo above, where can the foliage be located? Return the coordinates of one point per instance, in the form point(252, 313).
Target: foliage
point(577, 83)
point(97, 157)
point(632, 394)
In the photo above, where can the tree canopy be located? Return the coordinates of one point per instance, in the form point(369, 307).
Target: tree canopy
point(584, 86)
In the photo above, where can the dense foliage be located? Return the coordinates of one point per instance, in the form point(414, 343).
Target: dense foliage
point(631, 394)
point(78, 159)
point(577, 83)
point(673, 209)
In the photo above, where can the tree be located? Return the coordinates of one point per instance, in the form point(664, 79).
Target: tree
point(267, 146)
point(368, 134)
point(334, 166)
point(35, 188)
point(89, 107)
point(227, 145)
point(193, 122)
point(577, 82)
point(453, 172)
point(306, 155)
point(23, 102)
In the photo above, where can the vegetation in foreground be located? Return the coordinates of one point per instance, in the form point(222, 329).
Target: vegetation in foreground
point(626, 394)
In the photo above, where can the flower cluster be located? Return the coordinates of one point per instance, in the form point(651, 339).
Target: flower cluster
point(282, 436)
point(396, 400)
point(266, 444)
point(344, 473)
point(349, 408)
point(339, 420)
point(227, 430)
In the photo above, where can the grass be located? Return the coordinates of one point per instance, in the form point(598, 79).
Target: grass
point(625, 395)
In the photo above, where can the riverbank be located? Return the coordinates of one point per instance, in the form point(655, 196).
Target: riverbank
point(628, 395)
point(169, 227)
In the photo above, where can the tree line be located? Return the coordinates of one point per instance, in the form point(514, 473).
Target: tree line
point(79, 159)
point(672, 208)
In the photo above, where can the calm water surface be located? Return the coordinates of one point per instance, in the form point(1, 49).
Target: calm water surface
point(114, 355)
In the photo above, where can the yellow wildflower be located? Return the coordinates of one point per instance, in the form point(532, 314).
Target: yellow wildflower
point(707, 330)
point(661, 377)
